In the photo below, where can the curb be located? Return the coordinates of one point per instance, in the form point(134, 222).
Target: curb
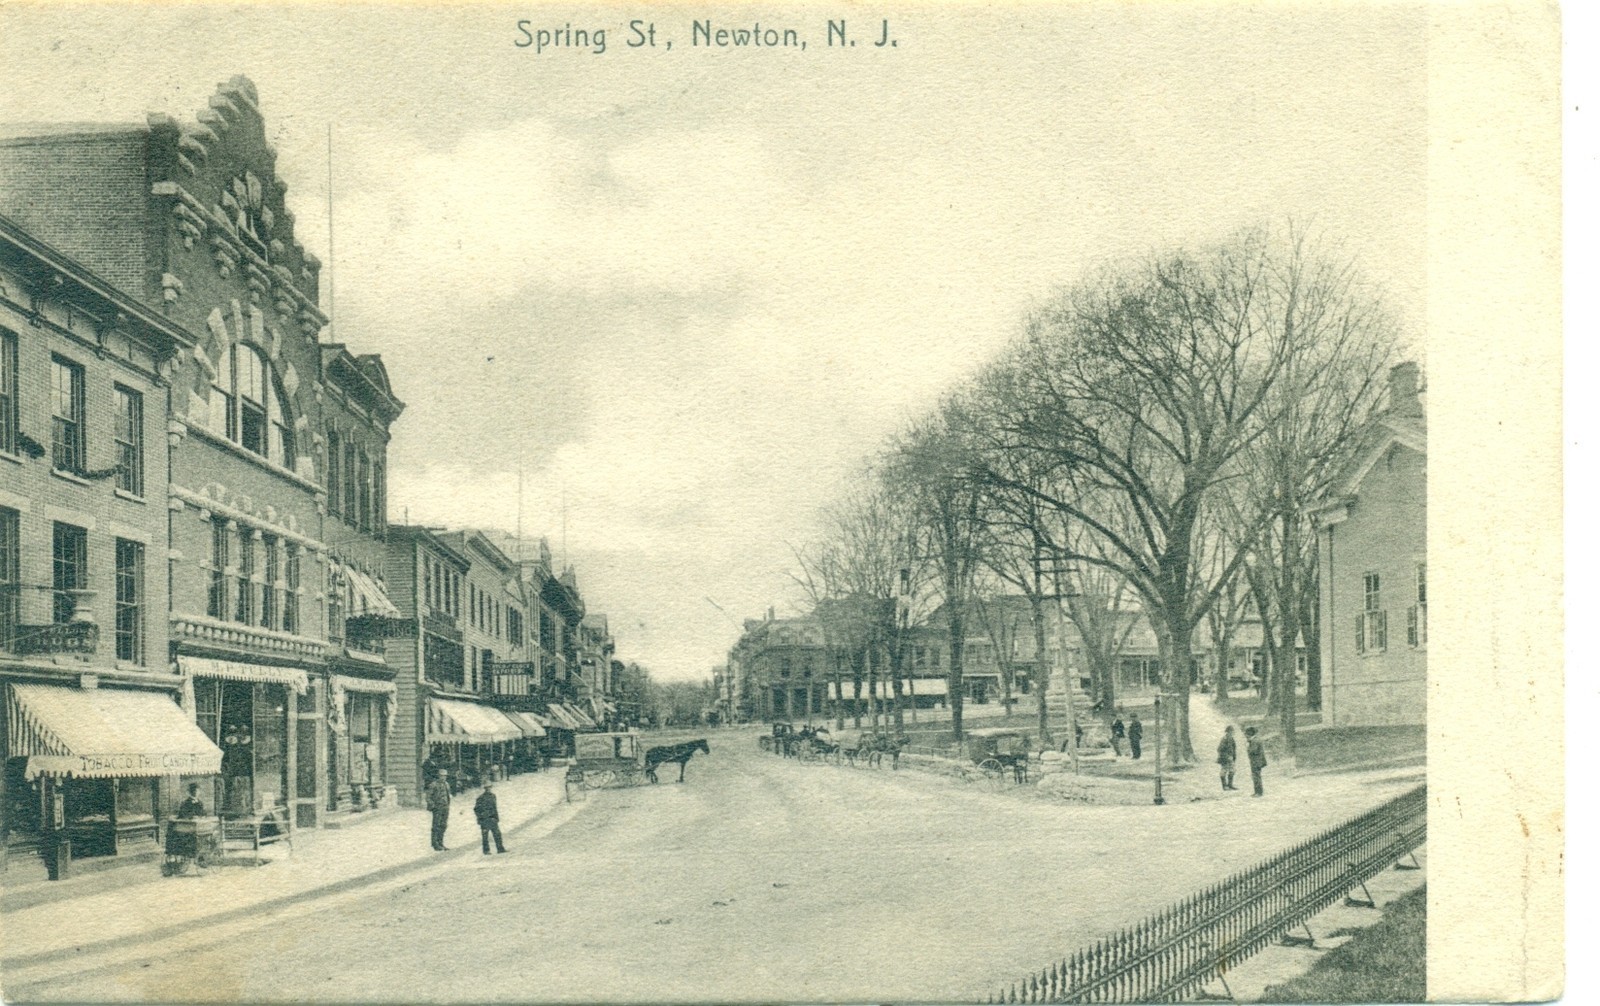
point(282, 901)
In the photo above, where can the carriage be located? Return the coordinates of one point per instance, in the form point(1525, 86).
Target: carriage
point(999, 754)
point(603, 760)
point(778, 740)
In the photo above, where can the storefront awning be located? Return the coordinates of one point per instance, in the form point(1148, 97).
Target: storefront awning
point(561, 717)
point(581, 717)
point(452, 721)
point(530, 724)
point(238, 670)
point(105, 732)
point(371, 598)
point(921, 686)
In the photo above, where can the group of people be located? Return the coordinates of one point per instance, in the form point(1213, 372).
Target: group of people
point(486, 808)
point(1228, 754)
point(1132, 733)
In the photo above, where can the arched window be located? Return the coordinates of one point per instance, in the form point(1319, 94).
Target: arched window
point(247, 406)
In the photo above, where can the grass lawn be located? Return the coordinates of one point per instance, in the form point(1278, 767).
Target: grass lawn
point(1384, 963)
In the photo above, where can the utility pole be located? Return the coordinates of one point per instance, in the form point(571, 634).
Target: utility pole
point(1055, 570)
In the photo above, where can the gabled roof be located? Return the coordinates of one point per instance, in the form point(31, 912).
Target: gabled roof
point(1384, 432)
point(364, 378)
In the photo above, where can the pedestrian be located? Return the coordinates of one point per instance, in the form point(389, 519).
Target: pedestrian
point(1118, 731)
point(439, 803)
point(1258, 757)
point(487, 810)
point(192, 807)
point(1135, 736)
point(1227, 754)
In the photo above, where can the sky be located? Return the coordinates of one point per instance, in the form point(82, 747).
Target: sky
point(677, 296)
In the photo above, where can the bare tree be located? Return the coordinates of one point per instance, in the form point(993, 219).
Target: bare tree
point(932, 472)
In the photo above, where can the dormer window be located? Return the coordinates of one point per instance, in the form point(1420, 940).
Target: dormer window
point(248, 407)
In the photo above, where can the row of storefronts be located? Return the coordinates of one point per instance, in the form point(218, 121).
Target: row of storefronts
point(198, 580)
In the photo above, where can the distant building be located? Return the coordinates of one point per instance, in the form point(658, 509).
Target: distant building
point(1373, 561)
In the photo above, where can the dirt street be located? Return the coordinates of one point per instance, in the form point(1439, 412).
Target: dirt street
point(757, 879)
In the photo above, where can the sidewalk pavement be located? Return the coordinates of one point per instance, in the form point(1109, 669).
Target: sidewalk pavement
point(322, 862)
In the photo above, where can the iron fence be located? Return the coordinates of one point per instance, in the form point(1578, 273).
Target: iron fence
point(1173, 954)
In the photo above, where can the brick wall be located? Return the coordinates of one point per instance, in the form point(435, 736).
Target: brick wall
point(89, 197)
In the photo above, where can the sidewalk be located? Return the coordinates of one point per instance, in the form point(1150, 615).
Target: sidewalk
point(322, 862)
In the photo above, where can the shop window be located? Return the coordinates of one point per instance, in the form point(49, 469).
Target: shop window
point(70, 570)
point(130, 601)
point(67, 408)
point(270, 576)
point(130, 440)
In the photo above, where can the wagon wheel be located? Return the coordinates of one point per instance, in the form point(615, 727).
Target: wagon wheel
point(600, 779)
point(993, 772)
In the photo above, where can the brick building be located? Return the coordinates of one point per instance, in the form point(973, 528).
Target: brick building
point(83, 595)
point(1373, 562)
point(191, 220)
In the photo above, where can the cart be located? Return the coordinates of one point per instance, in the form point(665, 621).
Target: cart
point(605, 760)
point(778, 740)
point(999, 754)
point(191, 842)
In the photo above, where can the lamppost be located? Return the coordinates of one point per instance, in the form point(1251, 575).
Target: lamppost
point(1159, 798)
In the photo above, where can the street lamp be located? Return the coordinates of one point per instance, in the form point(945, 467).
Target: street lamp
point(1159, 798)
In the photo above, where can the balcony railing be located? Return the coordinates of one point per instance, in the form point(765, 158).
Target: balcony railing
point(61, 637)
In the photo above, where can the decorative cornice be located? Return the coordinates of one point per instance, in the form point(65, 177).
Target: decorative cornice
point(213, 504)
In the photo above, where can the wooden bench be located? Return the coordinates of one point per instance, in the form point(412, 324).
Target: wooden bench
point(252, 834)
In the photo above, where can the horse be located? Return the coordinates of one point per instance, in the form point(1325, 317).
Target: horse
point(680, 753)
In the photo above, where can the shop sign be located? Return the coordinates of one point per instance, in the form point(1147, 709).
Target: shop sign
point(93, 765)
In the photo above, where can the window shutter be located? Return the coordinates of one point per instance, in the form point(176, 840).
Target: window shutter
point(1361, 633)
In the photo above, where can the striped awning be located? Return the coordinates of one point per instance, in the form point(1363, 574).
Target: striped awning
point(238, 670)
point(530, 723)
point(452, 721)
point(561, 717)
point(371, 598)
point(582, 718)
point(100, 733)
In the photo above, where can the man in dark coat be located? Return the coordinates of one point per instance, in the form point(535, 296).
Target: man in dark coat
point(487, 810)
point(1227, 754)
point(1257, 755)
point(1135, 735)
point(1118, 731)
point(438, 801)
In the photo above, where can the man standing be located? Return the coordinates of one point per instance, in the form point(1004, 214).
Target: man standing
point(439, 803)
point(1227, 754)
point(1118, 731)
point(1135, 736)
point(488, 811)
point(1257, 755)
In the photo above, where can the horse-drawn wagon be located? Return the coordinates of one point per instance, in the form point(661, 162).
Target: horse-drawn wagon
point(621, 759)
point(999, 754)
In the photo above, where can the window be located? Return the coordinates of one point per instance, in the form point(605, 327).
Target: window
point(291, 591)
point(335, 601)
point(472, 604)
point(1372, 626)
point(8, 391)
point(514, 626)
point(269, 586)
point(10, 575)
point(349, 477)
point(364, 485)
point(248, 407)
point(335, 484)
point(130, 441)
point(217, 602)
point(70, 569)
point(244, 601)
point(1417, 614)
point(66, 425)
point(130, 601)
point(785, 665)
point(380, 497)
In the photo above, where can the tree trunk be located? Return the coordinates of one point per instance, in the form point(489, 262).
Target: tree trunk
point(856, 670)
point(1173, 641)
point(958, 633)
point(896, 672)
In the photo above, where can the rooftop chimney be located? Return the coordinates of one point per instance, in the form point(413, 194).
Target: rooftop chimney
point(1403, 394)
